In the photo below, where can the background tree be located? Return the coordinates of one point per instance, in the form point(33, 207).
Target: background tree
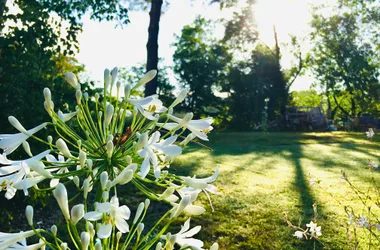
point(33, 53)
point(201, 64)
point(343, 59)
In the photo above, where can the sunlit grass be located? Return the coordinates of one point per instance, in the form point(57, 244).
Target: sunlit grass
point(263, 175)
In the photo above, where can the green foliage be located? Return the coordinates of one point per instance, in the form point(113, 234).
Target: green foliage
point(251, 83)
point(344, 59)
point(201, 64)
point(305, 98)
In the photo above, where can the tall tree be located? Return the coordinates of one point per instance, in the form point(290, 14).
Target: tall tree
point(201, 64)
point(343, 59)
point(32, 54)
point(152, 44)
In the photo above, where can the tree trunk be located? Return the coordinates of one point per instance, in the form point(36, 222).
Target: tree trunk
point(152, 45)
point(3, 3)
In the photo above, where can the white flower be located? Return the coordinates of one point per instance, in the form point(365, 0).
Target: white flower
point(373, 164)
point(370, 133)
point(10, 142)
point(199, 128)
point(148, 106)
point(72, 80)
point(180, 97)
point(146, 78)
point(17, 175)
point(183, 237)
point(149, 148)
point(117, 214)
point(363, 222)
point(201, 183)
point(314, 230)
point(60, 194)
point(67, 116)
point(10, 240)
point(298, 234)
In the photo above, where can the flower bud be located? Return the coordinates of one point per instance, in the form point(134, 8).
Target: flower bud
point(127, 90)
point(54, 230)
point(82, 158)
point(128, 158)
point(78, 95)
point(146, 203)
point(85, 95)
point(86, 187)
point(62, 147)
point(108, 115)
point(72, 80)
point(214, 246)
point(113, 76)
point(128, 113)
point(146, 78)
point(39, 167)
point(29, 214)
point(76, 181)
point(98, 245)
point(109, 148)
point(47, 95)
point(181, 96)
point(110, 138)
point(140, 228)
point(139, 211)
point(169, 191)
point(64, 246)
point(107, 78)
point(17, 125)
point(97, 96)
point(26, 147)
point(85, 239)
point(103, 179)
point(91, 228)
point(118, 235)
point(50, 139)
point(159, 246)
point(89, 164)
point(77, 213)
point(60, 194)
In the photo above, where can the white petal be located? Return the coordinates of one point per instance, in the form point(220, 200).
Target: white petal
point(172, 150)
point(104, 231)
point(122, 225)
point(194, 210)
point(145, 167)
point(169, 125)
point(54, 182)
point(124, 212)
point(28, 182)
point(185, 227)
point(192, 232)
point(190, 242)
point(104, 207)
point(93, 216)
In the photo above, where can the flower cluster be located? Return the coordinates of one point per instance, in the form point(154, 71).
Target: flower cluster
point(120, 141)
point(312, 231)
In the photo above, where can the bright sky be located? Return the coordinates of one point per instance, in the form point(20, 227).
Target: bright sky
point(104, 46)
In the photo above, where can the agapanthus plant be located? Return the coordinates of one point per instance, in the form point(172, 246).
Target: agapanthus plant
point(121, 141)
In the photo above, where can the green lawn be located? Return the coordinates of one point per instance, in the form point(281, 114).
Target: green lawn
point(263, 175)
